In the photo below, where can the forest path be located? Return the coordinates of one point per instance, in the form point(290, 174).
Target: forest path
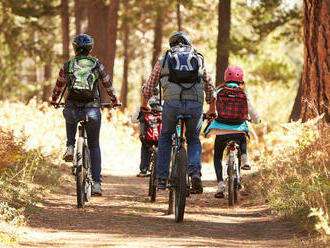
point(124, 217)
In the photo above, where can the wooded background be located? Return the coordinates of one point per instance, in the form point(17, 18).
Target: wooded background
point(282, 45)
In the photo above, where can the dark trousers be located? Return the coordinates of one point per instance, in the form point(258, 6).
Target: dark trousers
point(72, 117)
point(145, 156)
point(220, 145)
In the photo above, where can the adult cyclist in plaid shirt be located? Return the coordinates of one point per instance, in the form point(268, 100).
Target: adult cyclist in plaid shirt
point(178, 101)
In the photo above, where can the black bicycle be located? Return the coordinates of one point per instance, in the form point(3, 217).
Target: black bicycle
point(179, 181)
point(82, 167)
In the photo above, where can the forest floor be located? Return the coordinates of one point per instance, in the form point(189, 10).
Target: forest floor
point(125, 217)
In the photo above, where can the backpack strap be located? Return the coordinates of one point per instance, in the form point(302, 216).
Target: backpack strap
point(166, 54)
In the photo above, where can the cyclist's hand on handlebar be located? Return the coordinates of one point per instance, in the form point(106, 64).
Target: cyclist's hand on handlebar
point(114, 101)
point(54, 103)
point(210, 115)
point(145, 109)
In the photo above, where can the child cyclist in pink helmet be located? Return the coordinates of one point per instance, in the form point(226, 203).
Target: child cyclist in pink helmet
point(232, 115)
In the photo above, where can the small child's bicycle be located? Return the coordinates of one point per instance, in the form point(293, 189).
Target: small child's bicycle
point(232, 182)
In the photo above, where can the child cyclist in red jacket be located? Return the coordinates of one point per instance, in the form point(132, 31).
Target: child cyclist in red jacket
point(233, 80)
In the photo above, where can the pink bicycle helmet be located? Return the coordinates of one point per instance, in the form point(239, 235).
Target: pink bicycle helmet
point(234, 73)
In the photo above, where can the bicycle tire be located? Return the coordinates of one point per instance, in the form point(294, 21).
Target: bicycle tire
point(152, 179)
point(235, 192)
point(232, 190)
point(80, 174)
point(180, 185)
point(171, 189)
point(87, 182)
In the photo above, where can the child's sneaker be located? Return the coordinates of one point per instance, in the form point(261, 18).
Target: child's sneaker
point(220, 190)
point(245, 163)
point(68, 155)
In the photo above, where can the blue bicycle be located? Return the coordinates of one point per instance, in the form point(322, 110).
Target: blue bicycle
point(179, 182)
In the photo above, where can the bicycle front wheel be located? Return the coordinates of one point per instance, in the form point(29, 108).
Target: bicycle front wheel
point(80, 173)
point(152, 179)
point(180, 185)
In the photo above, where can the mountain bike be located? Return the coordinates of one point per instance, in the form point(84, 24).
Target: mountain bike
point(82, 167)
point(232, 181)
point(179, 181)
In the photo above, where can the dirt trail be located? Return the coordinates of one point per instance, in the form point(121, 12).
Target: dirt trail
point(123, 217)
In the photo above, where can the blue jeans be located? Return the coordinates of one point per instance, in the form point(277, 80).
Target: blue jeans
point(171, 110)
point(145, 157)
point(72, 117)
point(220, 145)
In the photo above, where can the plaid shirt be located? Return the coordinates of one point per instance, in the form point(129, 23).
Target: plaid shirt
point(103, 76)
point(155, 76)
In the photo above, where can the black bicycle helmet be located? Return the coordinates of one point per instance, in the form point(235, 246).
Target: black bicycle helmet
point(179, 37)
point(82, 43)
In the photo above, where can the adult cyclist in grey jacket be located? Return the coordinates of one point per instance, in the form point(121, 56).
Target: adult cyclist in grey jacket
point(178, 101)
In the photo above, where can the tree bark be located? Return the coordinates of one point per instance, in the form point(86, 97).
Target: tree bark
point(178, 15)
point(296, 109)
point(47, 88)
point(65, 28)
point(97, 23)
point(124, 87)
point(78, 15)
point(223, 44)
point(112, 36)
point(158, 33)
point(315, 79)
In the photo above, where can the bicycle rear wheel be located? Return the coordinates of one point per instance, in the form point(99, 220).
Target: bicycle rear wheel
point(171, 183)
point(152, 179)
point(180, 185)
point(80, 173)
point(87, 179)
point(232, 187)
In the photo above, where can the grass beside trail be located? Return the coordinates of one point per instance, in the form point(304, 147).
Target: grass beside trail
point(25, 176)
point(294, 174)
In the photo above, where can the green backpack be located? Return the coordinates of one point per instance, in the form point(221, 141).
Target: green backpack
point(83, 75)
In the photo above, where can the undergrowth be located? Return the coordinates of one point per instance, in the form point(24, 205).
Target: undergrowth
point(294, 174)
point(25, 176)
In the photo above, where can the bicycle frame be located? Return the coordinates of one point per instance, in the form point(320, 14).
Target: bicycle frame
point(178, 138)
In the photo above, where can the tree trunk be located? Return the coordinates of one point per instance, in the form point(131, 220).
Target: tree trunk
point(110, 44)
point(47, 88)
point(65, 28)
point(78, 15)
point(158, 33)
point(223, 40)
point(296, 109)
point(97, 23)
point(112, 35)
point(124, 87)
point(178, 15)
point(315, 79)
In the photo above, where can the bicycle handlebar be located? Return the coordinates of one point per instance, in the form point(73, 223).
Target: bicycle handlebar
point(210, 117)
point(62, 104)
